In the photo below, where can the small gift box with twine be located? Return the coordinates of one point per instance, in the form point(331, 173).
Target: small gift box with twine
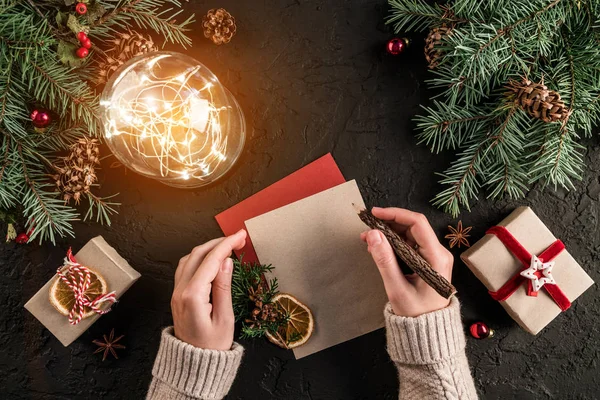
point(83, 288)
point(527, 269)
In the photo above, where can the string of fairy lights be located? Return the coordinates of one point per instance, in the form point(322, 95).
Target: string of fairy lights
point(172, 125)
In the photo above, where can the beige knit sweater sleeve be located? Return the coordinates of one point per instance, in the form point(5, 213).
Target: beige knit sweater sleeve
point(429, 352)
point(184, 372)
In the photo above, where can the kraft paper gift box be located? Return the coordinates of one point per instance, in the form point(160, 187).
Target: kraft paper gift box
point(100, 257)
point(494, 265)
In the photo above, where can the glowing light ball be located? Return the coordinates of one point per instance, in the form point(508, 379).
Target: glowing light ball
point(167, 116)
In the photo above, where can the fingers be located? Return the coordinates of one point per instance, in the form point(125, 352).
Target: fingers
point(415, 225)
point(221, 293)
point(417, 230)
point(179, 269)
point(190, 263)
point(207, 272)
point(394, 281)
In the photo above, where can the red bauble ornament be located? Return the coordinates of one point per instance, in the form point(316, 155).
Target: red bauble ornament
point(22, 238)
point(479, 330)
point(396, 46)
point(40, 118)
point(81, 8)
point(82, 36)
point(82, 52)
point(87, 43)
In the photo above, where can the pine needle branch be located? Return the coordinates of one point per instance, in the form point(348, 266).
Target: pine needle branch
point(251, 294)
point(45, 214)
point(38, 71)
point(102, 207)
point(542, 51)
point(146, 14)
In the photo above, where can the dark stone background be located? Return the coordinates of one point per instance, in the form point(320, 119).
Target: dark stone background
point(311, 78)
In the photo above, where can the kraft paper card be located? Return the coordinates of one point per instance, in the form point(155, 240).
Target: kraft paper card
point(317, 176)
point(494, 265)
point(314, 245)
point(100, 257)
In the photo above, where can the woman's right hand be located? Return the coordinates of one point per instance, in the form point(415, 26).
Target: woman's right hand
point(409, 295)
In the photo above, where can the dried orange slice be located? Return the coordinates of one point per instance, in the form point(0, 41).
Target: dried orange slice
point(299, 326)
point(63, 298)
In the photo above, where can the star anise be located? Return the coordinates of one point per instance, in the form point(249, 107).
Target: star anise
point(109, 344)
point(458, 236)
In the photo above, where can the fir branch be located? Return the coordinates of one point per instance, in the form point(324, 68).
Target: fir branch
point(146, 14)
point(413, 15)
point(54, 87)
point(462, 179)
point(5, 161)
point(248, 277)
point(115, 12)
point(559, 161)
point(62, 136)
point(31, 75)
point(7, 185)
point(507, 178)
point(7, 88)
point(506, 29)
point(249, 281)
point(45, 214)
point(444, 127)
point(102, 207)
point(504, 144)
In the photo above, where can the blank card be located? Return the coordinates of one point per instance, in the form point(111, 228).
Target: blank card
point(314, 245)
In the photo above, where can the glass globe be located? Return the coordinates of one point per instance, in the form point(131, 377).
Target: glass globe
point(167, 116)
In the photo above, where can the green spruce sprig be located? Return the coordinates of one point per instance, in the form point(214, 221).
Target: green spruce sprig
point(38, 69)
point(249, 279)
point(499, 147)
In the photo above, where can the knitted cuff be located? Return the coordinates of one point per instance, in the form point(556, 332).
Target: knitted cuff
point(195, 372)
point(426, 339)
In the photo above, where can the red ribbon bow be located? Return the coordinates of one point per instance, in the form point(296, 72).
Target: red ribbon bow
point(513, 245)
point(78, 279)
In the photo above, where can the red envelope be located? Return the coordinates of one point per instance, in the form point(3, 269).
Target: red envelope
point(314, 178)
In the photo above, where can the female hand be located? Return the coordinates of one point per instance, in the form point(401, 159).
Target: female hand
point(206, 271)
point(409, 295)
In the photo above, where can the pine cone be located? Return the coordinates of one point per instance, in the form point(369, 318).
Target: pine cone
point(433, 53)
point(126, 46)
point(76, 173)
point(538, 101)
point(219, 26)
point(262, 312)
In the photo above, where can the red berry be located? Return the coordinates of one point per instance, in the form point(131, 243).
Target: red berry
point(22, 238)
point(479, 330)
point(82, 36)
point(81, 8)
point(82, 52)
point(87, 43)
point(396, 46)
point(40, 118)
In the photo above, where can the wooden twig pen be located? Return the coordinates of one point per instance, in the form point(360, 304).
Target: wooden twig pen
point(410, 256)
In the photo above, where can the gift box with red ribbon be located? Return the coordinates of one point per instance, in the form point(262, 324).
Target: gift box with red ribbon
point(96, 265)
point(527, 269)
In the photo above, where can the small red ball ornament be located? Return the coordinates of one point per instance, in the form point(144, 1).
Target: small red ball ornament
point(479, 330)
point(87, 43)
point(82, 52)
point(81, 8)
point(40, 118)
point(22, 238)
point(82, 36)
point(396, 46)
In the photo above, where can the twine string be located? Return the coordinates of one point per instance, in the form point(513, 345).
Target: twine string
point(78, 279)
